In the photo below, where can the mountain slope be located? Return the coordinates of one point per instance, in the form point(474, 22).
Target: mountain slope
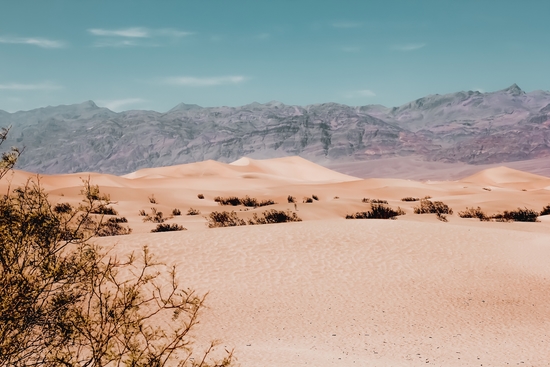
point(470, 127)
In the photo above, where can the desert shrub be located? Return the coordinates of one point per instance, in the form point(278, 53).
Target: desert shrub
point(248, 201)
point(410, 198)
point(337, 197)
point(62, 208)
point(487, 188)
point(378, 201)
point(365, 200)
point(112, 227)
point(266, 202)
point(165, 227)
point(315, 197)
point(426, 207)
point(152, 199)
point(230, 200)
point(105, 210)
point(518, 215)
point(200, 196)
point(142, 213)
point(224, 219)
point(474, 213)
point(545, 210)
point(176, 212)
point(441, 217)
point(377, 211)
point(155, 216)
point(307, 200)
point(192, 211)
point(274, 216)
point(427, 197)
point(291, 199)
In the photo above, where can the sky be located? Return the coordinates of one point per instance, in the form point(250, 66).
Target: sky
point(156, 54)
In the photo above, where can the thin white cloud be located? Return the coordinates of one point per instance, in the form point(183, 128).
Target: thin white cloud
point(116, 43)
point(347, 25)
point(136, 32)
point(169, 32)
point(360, 94)
point(191, 81)
point(34, 41)
point(118, 104)
point(26, 87)
point(408, 47)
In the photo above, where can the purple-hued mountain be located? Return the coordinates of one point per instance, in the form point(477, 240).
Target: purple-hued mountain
point(470, 127)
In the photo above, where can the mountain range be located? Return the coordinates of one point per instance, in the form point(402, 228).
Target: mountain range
point(469, 127)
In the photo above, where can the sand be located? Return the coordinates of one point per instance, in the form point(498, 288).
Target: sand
point(334, 292)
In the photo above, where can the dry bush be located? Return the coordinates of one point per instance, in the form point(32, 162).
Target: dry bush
point(377, 211)
point(176, 212)
point(518, 215)
point(315, 197)
point(274, 216)
point(192, 211)
point(441, 217)
point(487, 188)
point(200, 196)
point(165, 227)
point(230, 200)
point(152, 199)
point(105, 210)
point(410, 198)
point(224, 219)
point(112, 227)
point(474, 213)
point(545, 210)
point(307, 200)
point(155, 216)
point(291, 199)
point(426, 207)
point(142, 213)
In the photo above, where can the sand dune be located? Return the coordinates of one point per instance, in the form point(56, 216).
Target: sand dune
point(334, 292)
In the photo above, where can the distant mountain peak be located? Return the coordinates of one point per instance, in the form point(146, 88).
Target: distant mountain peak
point(514, 90)
point(185, 107)
point(89, 104)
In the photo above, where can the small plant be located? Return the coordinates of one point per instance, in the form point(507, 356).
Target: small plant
point(266, 202)
point(315, 197)
point(441, 217)
point(62, 208)
point(142, 213)
point(519, 215)
point(487, 188)
point(155, 217)
point(274, 216)
point(224, 219)
point(200, 196)
point(426, 206)
point(248, 201)
point(365, 200)
point(378, 201)
point(152, 199)
point(192, 211)
point(307, 200)
point(176, 212)
point(377, 211)
point(474, 213)
point(291, 199)
point(410, 198)
point(162, 227)
point(105, 210)
point(336, 197)
point(112, 227)
point(545, 210)
point(231, 200)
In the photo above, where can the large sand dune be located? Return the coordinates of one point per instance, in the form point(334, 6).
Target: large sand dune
point(334, 292)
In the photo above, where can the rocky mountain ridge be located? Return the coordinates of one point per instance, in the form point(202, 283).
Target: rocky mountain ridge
point(470, 127)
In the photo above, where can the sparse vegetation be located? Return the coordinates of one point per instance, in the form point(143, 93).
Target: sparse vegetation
point(165, 227)
point(246, 201)
point(315, 197)
point(231, 200)
point(105, 210)
point(441, 217)
point(307, 200)
point(112, 227)
point(192, 211)
point(63, 208)
point(274, 216)
point(410, 198)
point(474, 213)
point(377, 211)
point(142, 213)
point(200, 196)
point(518, 215)
point(155, 216)
point(374, 201)
point(152, 199)
point(487, 188)
point(436, 207)
point(224, 219)
point(176, 212)
point(545, 210)
point(291, 199)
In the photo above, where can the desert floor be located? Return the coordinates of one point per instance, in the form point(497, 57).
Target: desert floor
point(334, 292)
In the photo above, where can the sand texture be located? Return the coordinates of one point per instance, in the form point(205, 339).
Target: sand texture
point(334, 292)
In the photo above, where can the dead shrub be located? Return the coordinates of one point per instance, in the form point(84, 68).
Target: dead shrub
point(474, 213)
point(230, 200)
point(274, 216)
point(545, 210)
point(164, 227)
point(428, 207)
point(224, 219)
point(518, 215)
point(192, 211)
point(176, 212)
point(377, 211)
point(410, 198)
point(155, 216)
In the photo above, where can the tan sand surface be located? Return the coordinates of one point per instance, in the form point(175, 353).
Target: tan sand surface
point(334, 292)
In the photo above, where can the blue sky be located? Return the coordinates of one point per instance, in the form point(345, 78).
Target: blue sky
point(155, 54)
